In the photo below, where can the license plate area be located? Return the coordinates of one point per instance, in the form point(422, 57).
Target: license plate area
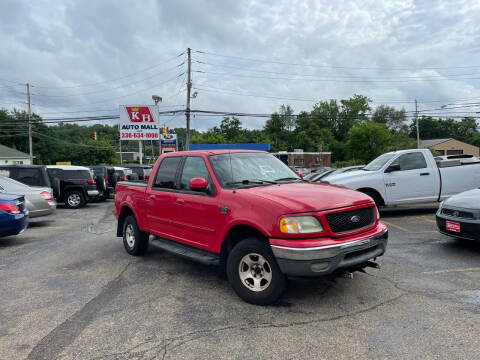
point(452, 226)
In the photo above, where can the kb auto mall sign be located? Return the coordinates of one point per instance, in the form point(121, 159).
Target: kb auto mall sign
point(139, 122)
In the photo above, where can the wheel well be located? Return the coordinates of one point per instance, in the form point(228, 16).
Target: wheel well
point(126, 211)
point(234, 236)
point(375, 192)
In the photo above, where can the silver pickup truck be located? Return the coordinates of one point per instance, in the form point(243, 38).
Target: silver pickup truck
point(411, 176)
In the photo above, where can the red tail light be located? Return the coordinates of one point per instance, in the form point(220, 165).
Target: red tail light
point(47, 196)
point(10, 209)
point(300, 174)
point(144, 177)
point(123, 178)
point(106, 179)
point(91, 181)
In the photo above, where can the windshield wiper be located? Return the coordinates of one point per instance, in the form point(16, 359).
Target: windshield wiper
point(291, 178)
point(251, 182)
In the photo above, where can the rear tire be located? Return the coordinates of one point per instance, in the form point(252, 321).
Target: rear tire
point(253, 272)
point(134, 240)
point(74, 199)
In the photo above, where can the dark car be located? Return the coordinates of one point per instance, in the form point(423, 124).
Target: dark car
point(31, 175)
point(459, 215)
point(13, 214)
point(74, 185)
point(143, 171)
point(101, 179)
point(118, 173)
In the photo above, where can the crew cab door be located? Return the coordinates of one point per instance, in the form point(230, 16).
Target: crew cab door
point(197, 213)
point(161, 197)
point(409, 179)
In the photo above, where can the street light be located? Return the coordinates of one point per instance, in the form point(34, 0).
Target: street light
point(157, 99)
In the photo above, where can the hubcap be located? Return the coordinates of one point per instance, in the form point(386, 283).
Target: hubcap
point(130, 235)
point(255, 272)
point(74, 200)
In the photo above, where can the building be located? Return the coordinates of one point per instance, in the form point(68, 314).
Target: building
point(246, 146)
point(307, 160)
point(450, 147)
point(12, 156)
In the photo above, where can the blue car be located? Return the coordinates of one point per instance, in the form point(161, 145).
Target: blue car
point(13, 214)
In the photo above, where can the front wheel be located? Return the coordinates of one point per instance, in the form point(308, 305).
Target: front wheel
point(74, 200)
point(253, 272)
point(134, 240)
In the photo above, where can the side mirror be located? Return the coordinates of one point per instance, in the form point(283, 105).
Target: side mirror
point(198, 184)
point(393, 168)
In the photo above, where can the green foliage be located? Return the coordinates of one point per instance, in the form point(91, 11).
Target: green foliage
point(368, 140)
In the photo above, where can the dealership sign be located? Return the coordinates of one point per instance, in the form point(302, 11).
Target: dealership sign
point(139, 122)
point(169, 142)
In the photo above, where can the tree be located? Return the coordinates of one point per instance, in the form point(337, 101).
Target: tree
point(394, 119)
point(231, 128)
point(368, 140)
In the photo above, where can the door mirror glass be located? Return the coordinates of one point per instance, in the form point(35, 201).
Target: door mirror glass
point(197, 184)
point(392, 168)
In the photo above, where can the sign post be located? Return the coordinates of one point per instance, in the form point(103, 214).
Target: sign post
point(139, 122)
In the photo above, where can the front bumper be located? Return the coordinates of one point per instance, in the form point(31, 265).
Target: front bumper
point(469, 229)
point(320, 261)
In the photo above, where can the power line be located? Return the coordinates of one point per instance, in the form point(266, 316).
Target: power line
point(336, 67)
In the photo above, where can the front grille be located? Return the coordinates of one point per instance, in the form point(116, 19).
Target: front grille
point(457, 213)
point(347, 221)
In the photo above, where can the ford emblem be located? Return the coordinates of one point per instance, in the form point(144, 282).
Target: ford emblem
point(355, 218)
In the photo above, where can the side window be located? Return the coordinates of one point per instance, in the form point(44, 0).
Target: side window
point(410, 161)
point(29, 176)
point(166, 173)
point(194, 167)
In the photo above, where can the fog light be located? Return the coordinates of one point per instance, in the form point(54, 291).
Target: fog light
point(317, 267)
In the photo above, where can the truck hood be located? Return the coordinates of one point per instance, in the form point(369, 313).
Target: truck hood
point(305, 197)
point(350, 175)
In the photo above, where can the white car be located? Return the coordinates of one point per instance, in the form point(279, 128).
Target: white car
point(410, 176)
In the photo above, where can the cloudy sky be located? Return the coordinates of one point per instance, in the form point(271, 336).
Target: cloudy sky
point(88, 57)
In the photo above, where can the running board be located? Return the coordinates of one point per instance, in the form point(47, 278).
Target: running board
point(186, 251)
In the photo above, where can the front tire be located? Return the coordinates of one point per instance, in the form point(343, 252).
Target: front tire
point(253, 272)
point(134, 240)
point(74, 200)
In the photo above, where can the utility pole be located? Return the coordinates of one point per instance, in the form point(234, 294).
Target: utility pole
point(29, 124)
point(416, 122)
point(187, 112)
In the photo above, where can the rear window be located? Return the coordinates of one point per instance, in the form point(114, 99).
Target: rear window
point(166, 173)
point(77, 174)
point(138, 171)
point(31, 177)
point(99, 171)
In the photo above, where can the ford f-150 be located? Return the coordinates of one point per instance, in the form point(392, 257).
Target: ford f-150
point(250, 215)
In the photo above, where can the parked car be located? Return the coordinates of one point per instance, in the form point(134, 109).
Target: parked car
point(410, 176)
point(459, 215)
point(317, 176)
point(31, 175)
point(249, 214)
point(143, 171)
point(74, 185)
point(39, 200)
point(342, 171)
point(13, 214)
point(100, 175)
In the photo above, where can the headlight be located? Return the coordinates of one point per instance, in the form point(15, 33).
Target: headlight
point(300, 225)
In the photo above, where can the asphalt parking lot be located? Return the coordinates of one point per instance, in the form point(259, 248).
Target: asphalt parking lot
point(70, 291)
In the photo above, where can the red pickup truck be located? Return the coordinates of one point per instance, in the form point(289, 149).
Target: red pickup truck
point(252, 216)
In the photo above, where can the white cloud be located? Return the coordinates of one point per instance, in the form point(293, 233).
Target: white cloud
point(53, 44)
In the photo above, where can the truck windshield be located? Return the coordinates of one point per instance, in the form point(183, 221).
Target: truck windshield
point(250, 169)
point(379, 162)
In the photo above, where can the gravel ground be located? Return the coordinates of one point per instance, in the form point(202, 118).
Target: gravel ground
point(70, 291)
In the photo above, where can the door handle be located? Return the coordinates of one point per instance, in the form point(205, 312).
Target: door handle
point(180, 202)
point(424, 174)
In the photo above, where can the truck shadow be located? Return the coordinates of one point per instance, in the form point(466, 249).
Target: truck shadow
point(402, 211)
